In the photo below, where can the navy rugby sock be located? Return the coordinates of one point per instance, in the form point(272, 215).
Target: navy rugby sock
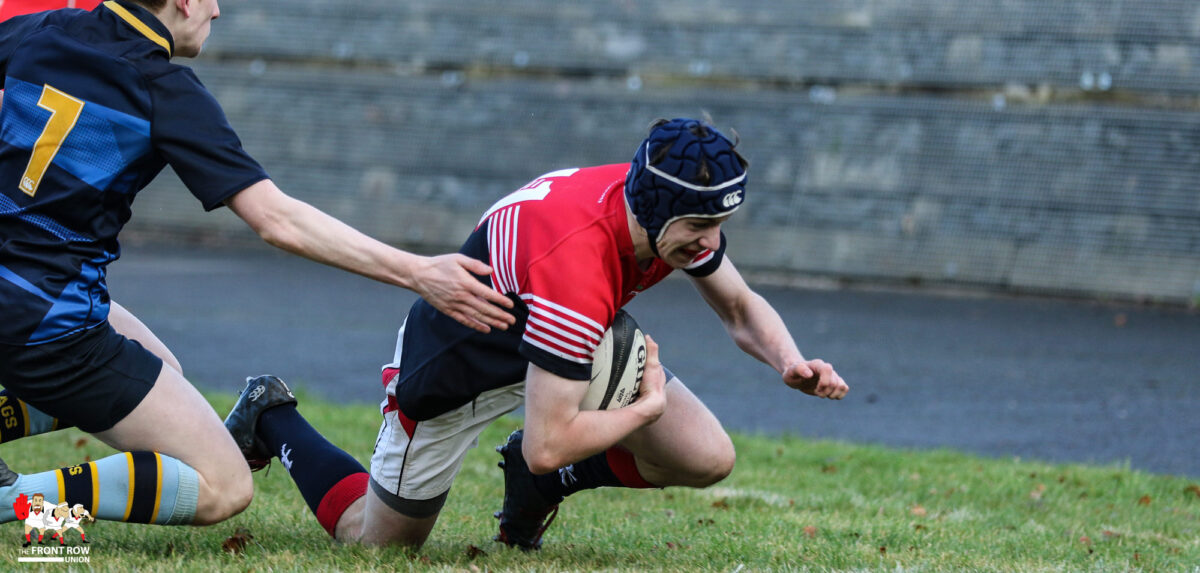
point(614, 467)
point(20, 420)
point(328, 478)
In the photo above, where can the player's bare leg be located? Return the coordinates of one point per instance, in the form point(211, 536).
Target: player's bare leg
point(175, 420)
point(128, 325)
point(686, 446)
point(379, 524)
point(349, 528)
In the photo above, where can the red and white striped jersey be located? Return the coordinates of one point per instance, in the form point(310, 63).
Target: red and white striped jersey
point(562, 245)
point(561, 248)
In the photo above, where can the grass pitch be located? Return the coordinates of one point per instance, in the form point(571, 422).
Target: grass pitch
point(790, 505)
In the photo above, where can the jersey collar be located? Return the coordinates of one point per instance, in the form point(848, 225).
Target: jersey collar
point(145, 22)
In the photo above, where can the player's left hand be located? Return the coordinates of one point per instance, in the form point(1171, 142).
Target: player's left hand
point(816, 378)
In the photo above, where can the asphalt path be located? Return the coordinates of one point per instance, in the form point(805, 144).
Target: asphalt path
point(1041, 379)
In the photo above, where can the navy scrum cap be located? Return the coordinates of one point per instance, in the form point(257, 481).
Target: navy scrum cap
point(685, 168)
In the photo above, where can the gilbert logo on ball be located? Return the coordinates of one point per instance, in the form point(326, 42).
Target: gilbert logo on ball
point(618, 365)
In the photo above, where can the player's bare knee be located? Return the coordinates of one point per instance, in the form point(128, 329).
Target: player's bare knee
point(224, 507)
point(240, 499)
point(221, 499)
point(716, 467)
point(722, 467)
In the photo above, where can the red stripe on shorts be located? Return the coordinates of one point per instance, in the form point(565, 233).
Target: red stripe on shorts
point(409, 425)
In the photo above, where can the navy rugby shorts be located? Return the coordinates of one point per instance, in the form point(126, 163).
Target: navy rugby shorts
point(90, 379)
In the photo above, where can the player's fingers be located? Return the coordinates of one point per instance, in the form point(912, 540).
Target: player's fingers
point(654, 371)
point(490, 296)
point(804, 370)
point(830, 381)
point(490, 314)
point(815, 378)
point(478, 289)
point(838, 388)
point(651, 350)
point(469, 320)
point(499, 303)
point(475, 266)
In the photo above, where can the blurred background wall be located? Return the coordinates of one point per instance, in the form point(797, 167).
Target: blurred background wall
point(1037, 146)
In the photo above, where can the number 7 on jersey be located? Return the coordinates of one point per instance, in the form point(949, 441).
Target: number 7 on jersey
point(64, 112)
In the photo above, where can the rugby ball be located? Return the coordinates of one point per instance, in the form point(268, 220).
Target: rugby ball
point(617, 366)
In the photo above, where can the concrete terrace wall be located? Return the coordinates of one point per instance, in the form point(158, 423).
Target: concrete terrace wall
point(1020, 145)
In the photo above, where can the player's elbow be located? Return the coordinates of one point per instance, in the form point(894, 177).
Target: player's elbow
point(288, 238)
point(542, 458)
point(544, 462)
point(276, 232)
point(541, 467)
point(270, 213)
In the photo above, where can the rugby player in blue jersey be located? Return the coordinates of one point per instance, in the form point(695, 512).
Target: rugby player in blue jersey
point(93, 109)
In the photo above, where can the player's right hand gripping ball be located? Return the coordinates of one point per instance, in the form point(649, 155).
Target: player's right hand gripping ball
point(617, 366)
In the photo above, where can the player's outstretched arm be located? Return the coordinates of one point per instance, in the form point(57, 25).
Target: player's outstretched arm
point(445, 281)
point(759, 331)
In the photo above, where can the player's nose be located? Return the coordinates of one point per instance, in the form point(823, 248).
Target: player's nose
point(711, 238)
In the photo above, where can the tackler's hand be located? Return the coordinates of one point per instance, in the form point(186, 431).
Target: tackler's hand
point(816, 378)
point(446, 282)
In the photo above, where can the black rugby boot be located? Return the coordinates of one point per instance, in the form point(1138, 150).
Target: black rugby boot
point(525, 514)
point(261, 393)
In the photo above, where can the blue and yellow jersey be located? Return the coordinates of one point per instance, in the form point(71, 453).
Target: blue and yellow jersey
point(92, 111)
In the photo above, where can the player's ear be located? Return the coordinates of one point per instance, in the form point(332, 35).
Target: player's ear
point(184, 7)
